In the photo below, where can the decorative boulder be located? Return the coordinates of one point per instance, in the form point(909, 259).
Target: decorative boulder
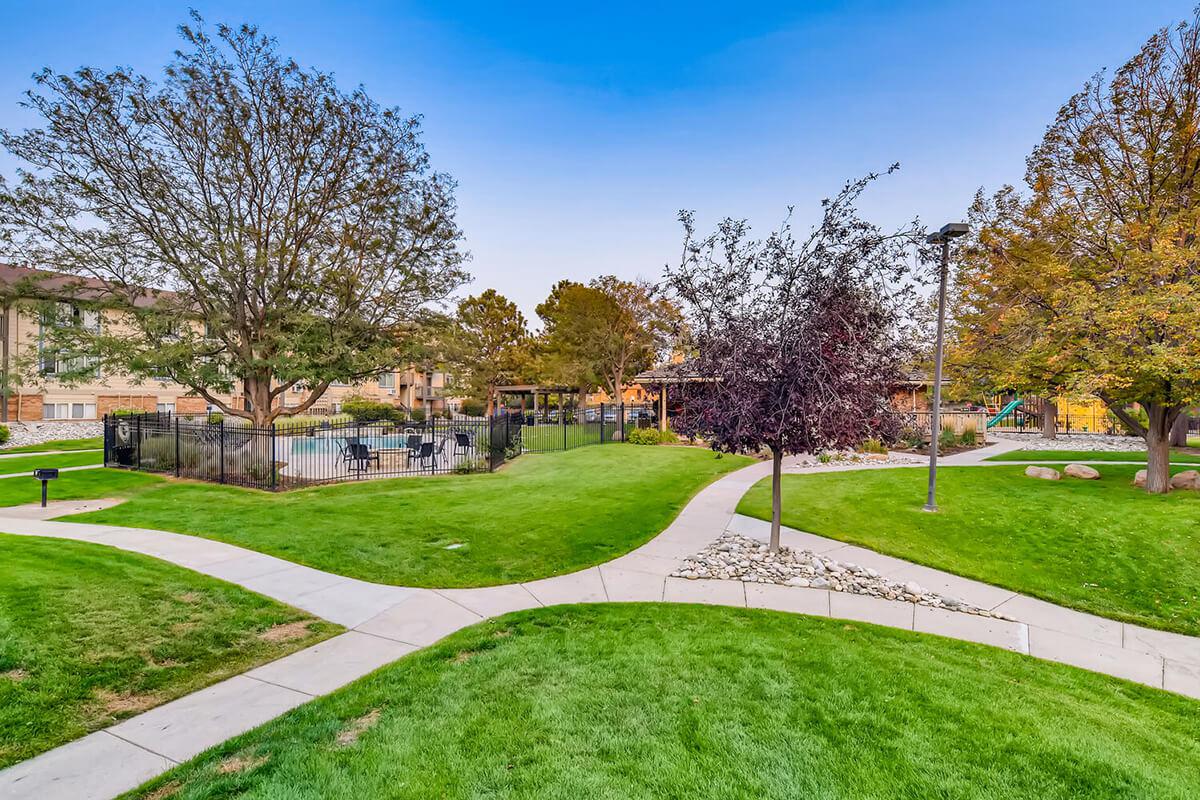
point(1140, 478)
point(1045, 473)
point(1081, 471)
point(1188, 479)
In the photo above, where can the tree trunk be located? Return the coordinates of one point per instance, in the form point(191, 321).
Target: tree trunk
point(1049, 419)
point(491, 401)
point(1179, 431)
point(1158, 445)
point(776, 496)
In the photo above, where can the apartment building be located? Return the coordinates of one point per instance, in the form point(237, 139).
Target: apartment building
point(23, 322)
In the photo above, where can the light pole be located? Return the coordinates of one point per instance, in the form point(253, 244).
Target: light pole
point(950, 231)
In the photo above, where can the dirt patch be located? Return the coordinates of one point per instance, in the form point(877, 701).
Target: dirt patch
point(124, 703)
point(184, 627)
point(464, 656)
point(189, 597)
point(503, 632)
point(14, 675)
point(357, 728)
point(241, 763)
point(287, 632)
point(165, 791)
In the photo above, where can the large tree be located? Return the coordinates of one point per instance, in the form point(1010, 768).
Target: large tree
point(1095, 273)
point(488, 345)
point(299, 228)
point(606, 331)
point(799, 343)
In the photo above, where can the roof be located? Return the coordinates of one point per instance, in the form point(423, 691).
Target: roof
point(682, 372)
point(41, 284)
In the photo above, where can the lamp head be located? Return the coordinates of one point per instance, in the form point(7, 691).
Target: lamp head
point(951, 230)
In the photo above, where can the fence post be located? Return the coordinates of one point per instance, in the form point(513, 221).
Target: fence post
point(221, 450)
point(139, 442)
point(562, 420)
point(272, 458)
point(177, 447)
point(622, 421)
point(602, 423)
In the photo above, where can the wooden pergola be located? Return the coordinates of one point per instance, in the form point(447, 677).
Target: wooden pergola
point(659, 378)
point(536, 390)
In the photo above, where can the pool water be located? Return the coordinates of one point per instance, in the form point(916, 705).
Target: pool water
point(321, 445)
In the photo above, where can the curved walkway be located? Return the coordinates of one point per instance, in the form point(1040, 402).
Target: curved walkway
point(387, 622)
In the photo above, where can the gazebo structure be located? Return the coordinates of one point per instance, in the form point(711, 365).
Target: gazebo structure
point(659, 378)
point(535, 391)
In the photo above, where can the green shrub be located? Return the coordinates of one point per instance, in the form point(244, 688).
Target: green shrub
point(417, 415)
point(5, 434)
point(873, 445)
point(824, 457)
point(644, 436)
point(215, 418)
point(126, 412)
point(969, 436)
point(473, 408)
point(668, 436)
point(363, 410)
point(947, 438)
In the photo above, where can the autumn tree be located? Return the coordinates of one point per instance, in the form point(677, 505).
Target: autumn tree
point(299, 228)
point(488, 345)
point(799, 342)
point(1094, 272)
point(606, 331)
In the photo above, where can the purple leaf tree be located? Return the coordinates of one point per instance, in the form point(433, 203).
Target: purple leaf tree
point(799, 341)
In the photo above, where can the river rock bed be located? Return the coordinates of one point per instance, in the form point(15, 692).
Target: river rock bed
point(1097, 442)
point(735, 557)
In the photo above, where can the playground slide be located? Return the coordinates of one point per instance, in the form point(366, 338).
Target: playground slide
point(1008, 409)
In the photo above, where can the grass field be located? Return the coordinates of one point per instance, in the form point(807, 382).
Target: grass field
point(1178, 456)
point(541, 515)
point(649, 701)
point(95, 443)
point(87, 484)
point(91, 634)
point(1100, 546)
point(11, 466)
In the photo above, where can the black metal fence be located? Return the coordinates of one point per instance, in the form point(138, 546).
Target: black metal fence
point(233, 452)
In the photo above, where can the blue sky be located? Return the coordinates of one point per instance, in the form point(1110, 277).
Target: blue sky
point(577, 131)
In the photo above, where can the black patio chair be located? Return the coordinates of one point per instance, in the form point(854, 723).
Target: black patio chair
point(357, 456)
point(427, 454)
point(413, 447)
point(464, 444)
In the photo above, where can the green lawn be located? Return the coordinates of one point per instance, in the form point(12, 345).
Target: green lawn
point(1101, 546)
point(87, 484)
point(1178, 456)
point(90, 634)
point(95, 443)
point(541, 515)
point(10, 466)
point(649, 701)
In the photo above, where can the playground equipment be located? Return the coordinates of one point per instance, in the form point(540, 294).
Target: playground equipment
point(1004, 412)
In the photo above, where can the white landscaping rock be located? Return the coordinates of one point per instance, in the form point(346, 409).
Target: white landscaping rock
point(1139, 479)
point(1081, 471)
point(1096, 442)
point(739, 558)
point(29, 433)
point(1045, 473)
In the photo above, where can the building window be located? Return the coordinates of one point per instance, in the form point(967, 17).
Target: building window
point(168, 408)
point(69, 411)
point(51, 360)
point(387, 380)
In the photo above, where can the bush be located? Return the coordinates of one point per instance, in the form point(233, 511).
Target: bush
point(473, 408)
point(417, 415)
point(668, 436)
point(5, 434)
point(644, 436)
point(873, 445)
point(215, 418)
point(126, 412)
point(363, 410)
point(969, 436)
point(947, 438)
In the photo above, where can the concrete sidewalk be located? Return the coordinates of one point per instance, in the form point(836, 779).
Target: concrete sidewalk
point(387, 622)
